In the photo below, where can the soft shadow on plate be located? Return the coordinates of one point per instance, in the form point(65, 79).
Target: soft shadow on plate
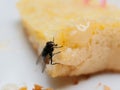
point(62, 82)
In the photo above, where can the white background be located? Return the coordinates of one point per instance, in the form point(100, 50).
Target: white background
point(17, 58)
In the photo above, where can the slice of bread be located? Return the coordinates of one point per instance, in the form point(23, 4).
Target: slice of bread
point(90, 35)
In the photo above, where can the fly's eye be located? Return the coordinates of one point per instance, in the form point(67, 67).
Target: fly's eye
point(47, 43)
point(51, 44)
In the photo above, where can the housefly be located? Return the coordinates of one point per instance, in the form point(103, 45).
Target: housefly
point(47, 54)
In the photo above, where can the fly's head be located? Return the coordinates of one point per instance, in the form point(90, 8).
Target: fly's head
point(51, 44)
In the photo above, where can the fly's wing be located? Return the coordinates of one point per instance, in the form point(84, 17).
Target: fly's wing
point(43, 67)
point(39, 59)
point(43, 61)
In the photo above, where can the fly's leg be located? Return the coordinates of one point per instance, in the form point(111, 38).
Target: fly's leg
point(51, 55)
point(56, 53)
point(58, 46)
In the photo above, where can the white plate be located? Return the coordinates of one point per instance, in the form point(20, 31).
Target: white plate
point(17, 58)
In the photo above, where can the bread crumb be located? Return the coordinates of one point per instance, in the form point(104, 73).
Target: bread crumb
point(23, 88)
point(37, 87)
point(49, 89)
point(15, 87)
point(106, 87)
point(75, 81)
